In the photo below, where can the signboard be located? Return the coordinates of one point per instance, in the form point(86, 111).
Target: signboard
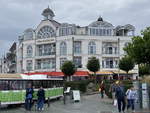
point(76, 95)
point(144, 96)
point(52, 40)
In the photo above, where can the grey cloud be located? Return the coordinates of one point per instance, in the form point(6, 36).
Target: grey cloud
point(18, 15)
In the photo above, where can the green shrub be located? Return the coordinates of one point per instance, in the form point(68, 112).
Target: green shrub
point(78, 85)
point(82, 84)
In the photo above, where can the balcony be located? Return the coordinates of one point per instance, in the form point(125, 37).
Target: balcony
point(110, 54)
point(46, 54)
point(40, 68)
point(110, 66)
point(42, 56)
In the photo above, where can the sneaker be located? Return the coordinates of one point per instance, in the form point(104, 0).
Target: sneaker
point(42, 109)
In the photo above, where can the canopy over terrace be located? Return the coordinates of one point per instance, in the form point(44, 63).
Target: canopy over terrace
point(108, 72)
point(61, 74)
point(102, 73)
point(123, 72)
point(8, 76)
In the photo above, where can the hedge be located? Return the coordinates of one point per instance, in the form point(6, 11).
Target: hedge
point(82, 84)
point(78, 85)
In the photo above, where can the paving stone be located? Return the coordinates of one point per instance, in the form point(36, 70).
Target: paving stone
point(88, 104)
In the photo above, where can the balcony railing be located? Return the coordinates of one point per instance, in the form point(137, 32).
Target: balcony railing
point(46, 54)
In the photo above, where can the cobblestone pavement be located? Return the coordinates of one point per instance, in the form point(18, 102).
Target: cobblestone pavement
point(88, 104)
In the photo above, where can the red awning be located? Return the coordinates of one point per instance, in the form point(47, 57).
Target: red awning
point(55, 74)
point(78, 73)
point(35, 73)
point(81, 73)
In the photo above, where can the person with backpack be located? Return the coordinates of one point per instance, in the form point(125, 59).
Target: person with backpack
point(131, 96)
point(120, 96)
point(41, 98)
point(29, 97)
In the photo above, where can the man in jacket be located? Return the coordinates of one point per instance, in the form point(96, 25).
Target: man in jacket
point(41, 98)
point(120, 96)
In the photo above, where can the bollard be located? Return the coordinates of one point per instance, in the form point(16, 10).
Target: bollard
point(48, 102)
point(64, 99)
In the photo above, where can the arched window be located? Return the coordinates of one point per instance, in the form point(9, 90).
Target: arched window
point(46, 32)
point(92, 48)
point(29, 51)
point(109, 48)
point(63, 48)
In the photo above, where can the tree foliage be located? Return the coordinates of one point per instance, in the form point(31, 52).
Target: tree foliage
point(93, 64)
point(68, 68)
point(126, 64)
point(144, 69)
point(139, 48)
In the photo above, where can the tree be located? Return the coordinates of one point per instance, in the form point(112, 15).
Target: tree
point(139, 48)
point(144, 69)
point(126, 64)
point(68, 68)
point(93, 65)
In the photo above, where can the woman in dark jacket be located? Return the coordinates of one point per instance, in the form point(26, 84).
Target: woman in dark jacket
point(41, 98)
point(29, 97)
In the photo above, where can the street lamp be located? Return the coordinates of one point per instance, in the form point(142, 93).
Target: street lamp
point(119, 57)
point(73, 49)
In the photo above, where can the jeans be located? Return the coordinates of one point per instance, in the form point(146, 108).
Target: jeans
point(28, 104)
point(130, 103)
point(121, 104)
point(40, 104)
point(102, 94)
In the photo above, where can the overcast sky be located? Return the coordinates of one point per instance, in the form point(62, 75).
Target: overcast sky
point(18, 15)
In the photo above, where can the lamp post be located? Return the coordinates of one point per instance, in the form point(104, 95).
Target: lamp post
point(55, 53)
point(73, 49)
point(119, 57)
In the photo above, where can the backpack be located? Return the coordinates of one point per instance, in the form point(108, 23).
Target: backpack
point(29, 93)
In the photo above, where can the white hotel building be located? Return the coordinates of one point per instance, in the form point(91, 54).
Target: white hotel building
point(47, 47)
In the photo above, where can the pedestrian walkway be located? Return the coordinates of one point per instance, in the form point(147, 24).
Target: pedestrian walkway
point(88, 104)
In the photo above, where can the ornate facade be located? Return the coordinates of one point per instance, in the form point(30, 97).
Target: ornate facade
point(48, 46)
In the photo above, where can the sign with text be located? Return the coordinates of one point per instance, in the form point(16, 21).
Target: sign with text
point(76, 95)
point(43, 41)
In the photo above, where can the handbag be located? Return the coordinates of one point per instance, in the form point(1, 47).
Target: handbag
point(115, 102)
point(99, 89)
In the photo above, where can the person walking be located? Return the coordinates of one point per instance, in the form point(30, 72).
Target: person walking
point(102, 89)
point(120, 96)
point(131, 96)
point(41, 98)
point(112, 91)
point(29, 96)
